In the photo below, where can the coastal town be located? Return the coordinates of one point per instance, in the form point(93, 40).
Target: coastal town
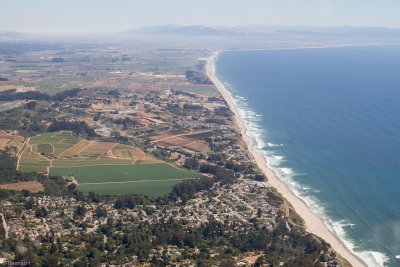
point(200, 133)
point(176, 121)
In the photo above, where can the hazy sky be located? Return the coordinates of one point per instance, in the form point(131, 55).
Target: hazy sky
point(96, 16)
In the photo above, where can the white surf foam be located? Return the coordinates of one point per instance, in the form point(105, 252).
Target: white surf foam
point(275, 160)
point(379, 257)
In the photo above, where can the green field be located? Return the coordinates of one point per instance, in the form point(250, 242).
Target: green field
point(61, 141)
point(63, 154)
point(148, 179)
point(44, 148)
point(37, 168)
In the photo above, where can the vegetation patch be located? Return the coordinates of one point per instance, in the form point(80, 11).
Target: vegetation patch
point(101, 167)
point(44, 148)
point(32, 186)
point(127, 179)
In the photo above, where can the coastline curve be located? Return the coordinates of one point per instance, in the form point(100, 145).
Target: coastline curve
point(313, 223)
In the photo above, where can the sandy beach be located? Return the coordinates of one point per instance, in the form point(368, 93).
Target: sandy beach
point(313, 223)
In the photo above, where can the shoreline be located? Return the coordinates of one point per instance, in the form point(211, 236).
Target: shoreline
point(313, 223)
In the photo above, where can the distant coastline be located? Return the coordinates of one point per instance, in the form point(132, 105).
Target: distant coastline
point(314, 224)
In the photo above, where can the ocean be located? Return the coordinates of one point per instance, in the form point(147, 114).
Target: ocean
point(328, 120)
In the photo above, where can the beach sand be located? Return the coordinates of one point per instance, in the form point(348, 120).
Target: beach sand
point(313, 223)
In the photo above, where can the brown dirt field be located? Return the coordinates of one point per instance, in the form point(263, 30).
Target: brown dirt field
point(137, 153)
point(4, 142)
point(182, 141)
point(5, 135)
point(140, 107)
point(197, 146)
point(175, 141)
point(32, 186)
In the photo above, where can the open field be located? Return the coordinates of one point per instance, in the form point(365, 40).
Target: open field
point(153, 188)
point(10, 140)
point(62, 149)
point(100, 167)
point(190, 141)
point(150, 179)
point(32, 186)
point(78, 162)
point(199, 136)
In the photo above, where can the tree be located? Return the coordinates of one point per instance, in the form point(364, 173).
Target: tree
point(41, 212)
point(100, 212)
point(191, 163)
point(2, 230)
point(31, 105)
point(80, 211)
point(260, 177)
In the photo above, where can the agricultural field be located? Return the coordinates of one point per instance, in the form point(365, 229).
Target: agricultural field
point(130, 68)
point(193, 142)
point(10, 140)
point(32, 186)
point(100, 167)
point(150, 179)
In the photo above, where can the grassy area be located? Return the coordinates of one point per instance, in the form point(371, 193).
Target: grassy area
point(149, 179)
point(44, 148)
point(61, 141)
point(38, 169)
point(122, 173)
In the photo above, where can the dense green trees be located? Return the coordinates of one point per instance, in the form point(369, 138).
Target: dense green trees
point(191, 163)
point(8, 172)
point(188, 188)
point(129, 201)
point(78, 127)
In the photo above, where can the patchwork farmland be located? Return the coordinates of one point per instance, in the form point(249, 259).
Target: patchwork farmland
point(184, 141)
point(100, 167)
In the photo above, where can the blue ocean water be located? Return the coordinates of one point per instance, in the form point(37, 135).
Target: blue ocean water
point(328, 120)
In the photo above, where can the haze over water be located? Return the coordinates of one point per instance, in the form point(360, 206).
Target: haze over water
point(329, 122)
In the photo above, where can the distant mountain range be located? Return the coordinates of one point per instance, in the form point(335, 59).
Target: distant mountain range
point(254, 30)
point(243, 31)
point(195, 30)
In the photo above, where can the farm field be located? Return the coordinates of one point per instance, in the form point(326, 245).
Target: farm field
point(32, 186)
point(10, 140)
point(149, 179)
point(191, 141)
point(100, 167)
